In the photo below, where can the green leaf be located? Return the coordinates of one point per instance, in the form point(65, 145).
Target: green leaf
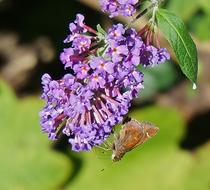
point(100, 29)
point(181, 42)
point(27, 160)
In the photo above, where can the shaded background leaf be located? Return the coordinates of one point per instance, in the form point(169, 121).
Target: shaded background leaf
point(150, 166)
point(191, 7)
point(157, 79)
point(26, 161)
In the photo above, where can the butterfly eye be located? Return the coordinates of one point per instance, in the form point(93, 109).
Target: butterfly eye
point(114, 158)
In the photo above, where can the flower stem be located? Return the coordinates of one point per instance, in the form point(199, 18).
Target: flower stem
point(89, 29)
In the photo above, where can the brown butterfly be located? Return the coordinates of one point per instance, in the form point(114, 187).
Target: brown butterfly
point(132, 134)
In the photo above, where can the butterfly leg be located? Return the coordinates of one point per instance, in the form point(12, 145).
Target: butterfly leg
point(103, 148)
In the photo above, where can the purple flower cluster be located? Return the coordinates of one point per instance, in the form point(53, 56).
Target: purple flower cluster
point(119, 7)
point(127, 46)
point(87, 104)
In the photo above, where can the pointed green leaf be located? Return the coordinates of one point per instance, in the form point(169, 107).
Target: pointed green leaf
point(181, 42)
point(100, 29)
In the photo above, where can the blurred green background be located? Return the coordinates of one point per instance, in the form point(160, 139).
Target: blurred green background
point(31, 34)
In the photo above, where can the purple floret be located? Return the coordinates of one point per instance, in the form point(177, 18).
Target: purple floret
point(119, 7)
point(151, 56)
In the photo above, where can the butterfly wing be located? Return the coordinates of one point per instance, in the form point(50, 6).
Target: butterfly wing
point(136, 133)
point(131, 135)
point(149, 131)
